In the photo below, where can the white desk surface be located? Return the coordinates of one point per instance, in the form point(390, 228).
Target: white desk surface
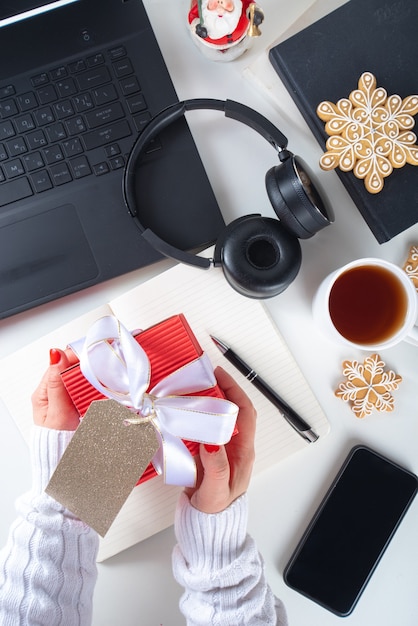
point(136, 586)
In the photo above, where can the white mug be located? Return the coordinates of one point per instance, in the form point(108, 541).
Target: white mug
point(369, 304)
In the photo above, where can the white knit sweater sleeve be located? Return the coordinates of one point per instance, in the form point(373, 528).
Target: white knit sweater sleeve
point(48, 566)
point(221, 569)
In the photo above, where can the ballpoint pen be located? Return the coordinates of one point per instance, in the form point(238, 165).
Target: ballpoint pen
point(288, 413)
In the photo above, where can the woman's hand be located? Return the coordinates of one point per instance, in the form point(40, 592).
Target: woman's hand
point(52, 406)
point(224, 472)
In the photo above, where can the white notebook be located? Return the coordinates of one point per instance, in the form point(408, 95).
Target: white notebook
point(211, 306)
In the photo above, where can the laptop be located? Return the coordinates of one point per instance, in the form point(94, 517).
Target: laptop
point(78, 81)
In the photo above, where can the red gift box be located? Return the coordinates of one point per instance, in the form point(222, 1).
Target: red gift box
point(169, 346)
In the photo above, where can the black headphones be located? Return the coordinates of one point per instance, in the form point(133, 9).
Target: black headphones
point(259, 256)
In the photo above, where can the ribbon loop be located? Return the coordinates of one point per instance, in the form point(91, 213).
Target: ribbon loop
point(117, 366)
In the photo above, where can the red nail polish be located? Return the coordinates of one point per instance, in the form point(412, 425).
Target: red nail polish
point(54, 356)
point(211, 448)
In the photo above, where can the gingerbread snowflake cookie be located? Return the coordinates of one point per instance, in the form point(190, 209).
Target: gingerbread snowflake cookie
point(369, 133)
point(411, 265)
point(368, 386)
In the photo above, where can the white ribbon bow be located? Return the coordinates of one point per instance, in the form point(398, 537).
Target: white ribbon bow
point(117, 366)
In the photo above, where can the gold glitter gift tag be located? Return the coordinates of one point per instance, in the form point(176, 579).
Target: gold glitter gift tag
point(102, 464)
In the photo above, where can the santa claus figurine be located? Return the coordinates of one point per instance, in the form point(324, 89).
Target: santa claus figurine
point(223, 29)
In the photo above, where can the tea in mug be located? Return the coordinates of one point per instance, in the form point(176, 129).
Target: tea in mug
point(368, 304)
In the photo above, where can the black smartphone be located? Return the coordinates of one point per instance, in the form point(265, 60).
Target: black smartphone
point(350, 530)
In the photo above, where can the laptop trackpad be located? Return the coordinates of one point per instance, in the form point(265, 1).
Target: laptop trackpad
point(52, 256)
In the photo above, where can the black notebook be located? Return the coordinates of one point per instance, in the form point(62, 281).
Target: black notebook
point(325, 61)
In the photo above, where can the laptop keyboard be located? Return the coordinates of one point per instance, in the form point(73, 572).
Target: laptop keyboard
point(73, 121)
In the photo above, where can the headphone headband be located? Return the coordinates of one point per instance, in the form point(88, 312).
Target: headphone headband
point(232, 109)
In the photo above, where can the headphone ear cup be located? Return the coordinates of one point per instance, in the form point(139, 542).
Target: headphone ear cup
point(280, 188)
point(299, 203)
point(259, 257)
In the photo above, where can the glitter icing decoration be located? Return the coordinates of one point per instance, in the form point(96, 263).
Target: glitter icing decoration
point(411, 265)
point(368, 386)
point(370, 133)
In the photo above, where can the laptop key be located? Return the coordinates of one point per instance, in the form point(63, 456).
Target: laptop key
point(27, 101)
point(75, 125)
point(101, 168)
point(117, 53)
point(93, 78)
point(41, 181)
point(6, 130)
point(40, 79)
point(80, 167)
point(6, 91)
point(112, 150)
point(63, 109)
point(104, 115)
point(129, 85)
point(53, 154)
point(96, 59)
point(105, 94)
point(36, 139)
point(8, 108)
point(59, 72)
point(106, 134)
point(136, 104)
point(33, 161)
point(141, 121)
point(16, 146)
point(77, 66)
point(56, 132)
point(83, 102)
point(123, 68)
point(44, 116)
point(117, 163)
point(72, 146)
point(13, 168)
point(66, 87)
point(47, 94)
point(15, 190)
point(60, 174)
point(24, 123)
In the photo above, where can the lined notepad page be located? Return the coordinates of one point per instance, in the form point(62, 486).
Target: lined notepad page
point(211, 306)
